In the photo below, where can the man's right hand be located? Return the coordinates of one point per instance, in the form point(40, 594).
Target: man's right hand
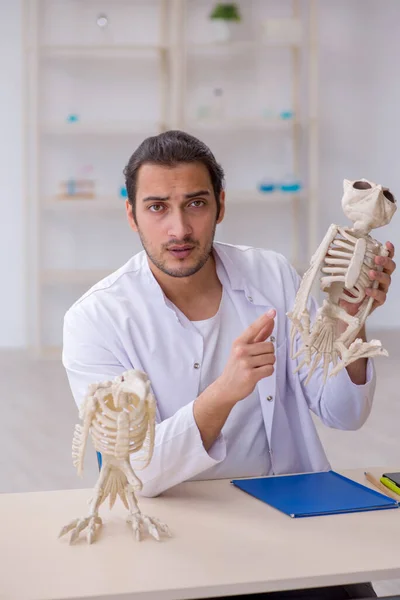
point(251, 359)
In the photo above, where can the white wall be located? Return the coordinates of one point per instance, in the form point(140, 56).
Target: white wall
point(359, 129)
point(359, 118)
point(12, 290)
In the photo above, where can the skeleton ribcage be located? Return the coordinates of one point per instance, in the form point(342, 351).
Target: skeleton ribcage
point(118, 433)
point(347, 264)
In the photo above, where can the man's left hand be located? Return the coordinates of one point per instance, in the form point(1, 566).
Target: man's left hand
point(358, 370)
point(383, 277)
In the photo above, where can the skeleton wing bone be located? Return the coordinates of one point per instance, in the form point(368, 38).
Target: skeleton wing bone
point(81, 432)
point(299, 315)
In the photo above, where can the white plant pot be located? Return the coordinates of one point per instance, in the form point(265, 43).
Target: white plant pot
point(224, 31)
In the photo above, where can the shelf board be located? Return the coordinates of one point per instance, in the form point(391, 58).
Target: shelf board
point(237, 46)
point(100, 51)
point(258, 124)
point(132, 50)
point(117, 204)
point(254, 196)
point(74, 276)
point(49, 353)
point(151, 127)
point(76, 204)
point(102, 128)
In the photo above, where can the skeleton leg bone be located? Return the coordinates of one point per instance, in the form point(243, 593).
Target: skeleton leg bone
point(136, 518)
point(93, 519)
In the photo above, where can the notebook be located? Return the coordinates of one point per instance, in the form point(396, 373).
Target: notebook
point(315, 494)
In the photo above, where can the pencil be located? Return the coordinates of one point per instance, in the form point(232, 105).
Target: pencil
point(380, 486)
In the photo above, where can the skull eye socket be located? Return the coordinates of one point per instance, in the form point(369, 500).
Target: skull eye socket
point(389, 196)
point(361, 185)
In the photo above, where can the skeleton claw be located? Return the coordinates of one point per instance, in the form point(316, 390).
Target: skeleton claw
point(292, 339)
point(327, 358)
point(68, 527)
point(317, 358)
point(299, 353)
point(300, 366)
point(153, 526)
point(359, 349)
point(78, 525)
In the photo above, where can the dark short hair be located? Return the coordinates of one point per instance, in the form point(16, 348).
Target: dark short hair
point(170, 149)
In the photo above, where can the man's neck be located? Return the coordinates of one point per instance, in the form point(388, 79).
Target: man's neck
point(188, 293)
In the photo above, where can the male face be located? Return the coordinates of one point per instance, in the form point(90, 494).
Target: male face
point(176, 216)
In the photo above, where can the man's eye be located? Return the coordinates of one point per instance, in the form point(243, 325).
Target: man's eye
point(156, 207)
point(197, 203)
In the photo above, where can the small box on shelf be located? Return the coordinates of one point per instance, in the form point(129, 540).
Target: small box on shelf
point(81, 189)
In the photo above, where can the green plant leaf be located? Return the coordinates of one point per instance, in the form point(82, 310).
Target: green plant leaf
point(227, 11)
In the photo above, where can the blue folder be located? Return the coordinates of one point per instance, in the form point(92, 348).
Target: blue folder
point(315, 494)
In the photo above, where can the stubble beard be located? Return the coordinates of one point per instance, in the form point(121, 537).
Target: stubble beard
point(162, 265)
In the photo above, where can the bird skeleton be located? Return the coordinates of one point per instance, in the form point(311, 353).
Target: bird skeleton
point(343, 261)
point(119, 415)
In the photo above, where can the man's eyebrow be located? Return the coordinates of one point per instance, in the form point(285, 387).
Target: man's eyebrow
point(187, 196)
point(156, 199)
point(196, 194)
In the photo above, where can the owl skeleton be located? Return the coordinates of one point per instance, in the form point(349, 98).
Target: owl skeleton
point(342, 261)
point(119, 416)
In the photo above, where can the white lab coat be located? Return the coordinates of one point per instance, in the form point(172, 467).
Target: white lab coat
point(125, 322)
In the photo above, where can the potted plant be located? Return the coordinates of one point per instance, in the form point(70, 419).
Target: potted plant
point(225, 18)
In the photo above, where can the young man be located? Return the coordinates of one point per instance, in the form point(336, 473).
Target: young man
point(207, 322)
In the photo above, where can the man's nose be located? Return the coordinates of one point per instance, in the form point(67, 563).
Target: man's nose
point(179, 225)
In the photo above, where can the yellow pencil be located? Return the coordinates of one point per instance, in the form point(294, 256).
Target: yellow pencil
point(380, 486)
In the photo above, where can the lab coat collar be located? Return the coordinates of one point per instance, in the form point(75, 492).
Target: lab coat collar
point(238, 279)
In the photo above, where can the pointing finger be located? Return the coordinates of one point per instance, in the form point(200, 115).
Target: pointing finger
point(265, 332)
point(264, 322)
point(267, 329)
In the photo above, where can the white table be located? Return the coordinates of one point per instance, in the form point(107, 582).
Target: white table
point(225, 542)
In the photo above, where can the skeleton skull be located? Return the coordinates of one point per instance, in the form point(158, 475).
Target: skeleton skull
point(367, 204)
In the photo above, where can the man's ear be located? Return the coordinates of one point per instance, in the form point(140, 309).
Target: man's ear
point(129, 214)
point(222, 207)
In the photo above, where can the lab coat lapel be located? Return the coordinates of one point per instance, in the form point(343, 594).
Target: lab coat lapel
point(250, 305)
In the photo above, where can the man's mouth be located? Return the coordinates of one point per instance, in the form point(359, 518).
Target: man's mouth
point(180, 251)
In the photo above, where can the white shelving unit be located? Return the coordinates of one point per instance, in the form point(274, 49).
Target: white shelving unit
point(73, 276)
point(260, 121)
point(149, 71)
point(125, 128)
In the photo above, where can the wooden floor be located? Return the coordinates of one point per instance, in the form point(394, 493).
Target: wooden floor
point(38, 416)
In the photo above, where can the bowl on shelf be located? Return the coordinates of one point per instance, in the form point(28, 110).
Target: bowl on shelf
point(290, 184)
point(266, 186)
point(72, 118)
point(286, 114)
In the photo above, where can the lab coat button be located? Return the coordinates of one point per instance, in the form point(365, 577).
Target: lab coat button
point(196, 365)
point(272, 338)
point(270, 398)
point(249, 298)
